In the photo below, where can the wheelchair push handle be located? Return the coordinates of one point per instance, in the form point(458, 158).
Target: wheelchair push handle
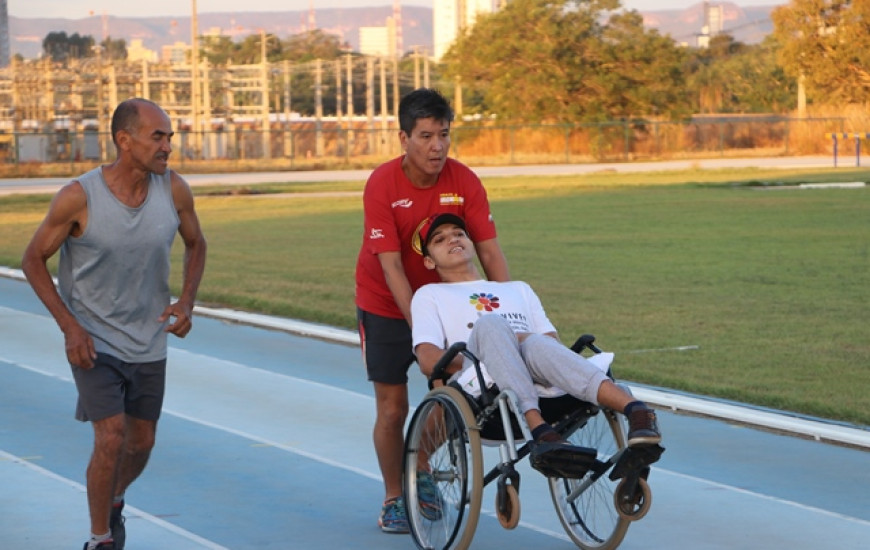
point(584, 342)
point(439, 370)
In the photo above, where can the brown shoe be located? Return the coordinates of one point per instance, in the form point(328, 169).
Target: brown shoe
point(643, 428)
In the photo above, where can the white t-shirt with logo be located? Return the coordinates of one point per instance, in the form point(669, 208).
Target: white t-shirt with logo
point(444, 313)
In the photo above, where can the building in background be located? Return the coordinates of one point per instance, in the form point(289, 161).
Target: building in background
point(4, 34)
point(175, 53)
point(714, 23)
point(137, 51)
point(375, 41)
point(449, 17)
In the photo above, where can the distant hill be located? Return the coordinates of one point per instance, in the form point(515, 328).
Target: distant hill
point(26, 35)
point(748, 25)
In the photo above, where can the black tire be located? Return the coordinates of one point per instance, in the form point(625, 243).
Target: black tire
point(444, 429)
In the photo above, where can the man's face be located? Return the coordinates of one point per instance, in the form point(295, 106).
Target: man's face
point(426, 149)
point(150, 141)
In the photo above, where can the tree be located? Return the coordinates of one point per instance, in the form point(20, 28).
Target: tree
point(733, 77)
point(569, 61)
point(60, 47)
point(756, 82)
point(114, 49)
point(249, 51)
point(312, 45)
point(827, 43)
point(218, 50)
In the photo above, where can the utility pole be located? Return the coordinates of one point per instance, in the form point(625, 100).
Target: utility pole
point(318, 107)
point(370, 102)
point(382, 141)
point(194, 78)
point(397, 20)
point(349, 77)
point(416, 67)
point(462, 21)
point(396, 87)
point(211, 142)
point(288, 145)
point(101, 116)
point(338, 90)
point(145, 83)
point(264, 98)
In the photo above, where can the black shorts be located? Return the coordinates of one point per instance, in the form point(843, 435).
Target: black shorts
point(113, 386)
point(386, 347)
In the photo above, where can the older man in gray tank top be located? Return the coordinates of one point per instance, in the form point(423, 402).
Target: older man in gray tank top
point(114, 227)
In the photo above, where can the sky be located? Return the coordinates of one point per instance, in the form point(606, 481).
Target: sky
point(78, 9)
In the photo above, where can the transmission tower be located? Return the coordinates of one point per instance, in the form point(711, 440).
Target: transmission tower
point(397, 17)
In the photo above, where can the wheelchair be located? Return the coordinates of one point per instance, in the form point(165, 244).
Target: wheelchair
point(596, 498)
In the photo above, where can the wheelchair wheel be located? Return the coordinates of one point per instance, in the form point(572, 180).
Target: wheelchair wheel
point(586, 506)
point(507, 507)
point(633, 506)
point(443, 472)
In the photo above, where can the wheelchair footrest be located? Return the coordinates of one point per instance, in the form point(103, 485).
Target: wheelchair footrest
point(562, 459)
point(635, 459)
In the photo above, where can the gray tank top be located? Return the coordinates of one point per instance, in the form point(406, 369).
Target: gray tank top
point(115, 276)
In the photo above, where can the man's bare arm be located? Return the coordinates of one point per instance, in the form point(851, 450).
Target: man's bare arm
point(194, 258)
point(493, 260)
point(397, 281)
point(66, 216)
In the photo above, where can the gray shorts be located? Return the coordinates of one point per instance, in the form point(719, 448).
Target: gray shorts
point(113, 386)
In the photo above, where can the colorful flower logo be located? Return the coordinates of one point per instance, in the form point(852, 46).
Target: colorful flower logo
point(484, 302)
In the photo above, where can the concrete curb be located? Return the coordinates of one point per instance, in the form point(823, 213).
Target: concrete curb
point(814, 428)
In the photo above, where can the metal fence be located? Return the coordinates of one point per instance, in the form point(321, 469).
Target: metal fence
point(480, 142)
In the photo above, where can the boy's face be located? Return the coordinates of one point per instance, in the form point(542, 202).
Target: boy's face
point(448, 246)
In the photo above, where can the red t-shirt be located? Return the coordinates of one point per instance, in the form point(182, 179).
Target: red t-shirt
point(394, 210)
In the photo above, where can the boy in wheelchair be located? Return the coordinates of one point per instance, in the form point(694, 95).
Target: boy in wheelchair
point(506, 328)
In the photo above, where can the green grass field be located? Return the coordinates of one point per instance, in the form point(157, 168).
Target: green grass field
point(765, 285)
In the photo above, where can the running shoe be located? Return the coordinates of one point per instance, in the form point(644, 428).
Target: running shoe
point(428, 496)
point(105, 545)
point(394, 518)
point(116, 524)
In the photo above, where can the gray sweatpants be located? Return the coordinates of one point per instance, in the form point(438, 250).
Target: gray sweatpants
point(539, 358)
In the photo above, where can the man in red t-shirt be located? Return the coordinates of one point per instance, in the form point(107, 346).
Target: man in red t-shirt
point(399, 197)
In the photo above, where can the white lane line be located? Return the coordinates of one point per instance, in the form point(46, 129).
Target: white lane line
point(233, 431)
point(270, 443)
point(374, 476)
point(139, 513)
point(37, 370)
point(762, 496)
point(205, 358)
point(819, 429)
point(676, 348)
